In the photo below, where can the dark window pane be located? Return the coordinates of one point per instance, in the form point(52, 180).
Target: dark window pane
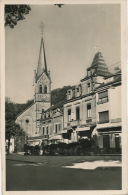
point(104, 117)
point(77, 113)
point(103, 94)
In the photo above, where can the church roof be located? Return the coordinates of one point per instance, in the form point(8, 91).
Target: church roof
point(99, 65)
point(42, 64)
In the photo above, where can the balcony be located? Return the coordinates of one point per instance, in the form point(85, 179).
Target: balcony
point(73, 123)
point(89, 120)
point(46, 136)
point(116, 120)
point(103, 100)
point(103, 121)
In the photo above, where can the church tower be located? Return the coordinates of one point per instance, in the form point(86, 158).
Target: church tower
point(29, 119)
point(42, 95)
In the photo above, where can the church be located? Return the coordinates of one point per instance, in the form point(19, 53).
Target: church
point(29, 119)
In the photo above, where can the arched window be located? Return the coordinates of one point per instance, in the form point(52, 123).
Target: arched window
point(40, 89)
point(45, 89)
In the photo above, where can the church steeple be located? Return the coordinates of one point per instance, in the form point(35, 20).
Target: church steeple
point(42, 64)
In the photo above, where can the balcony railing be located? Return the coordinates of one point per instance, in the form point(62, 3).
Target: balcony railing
point(116, 120)
point(89, 120)
point(46, 136)
point(73, 123)
point(103, 100)
point(103, 121)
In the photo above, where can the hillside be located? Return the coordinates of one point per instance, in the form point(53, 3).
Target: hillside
point(57, 96)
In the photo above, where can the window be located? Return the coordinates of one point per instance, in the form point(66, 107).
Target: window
point(103, 97)
point(45, 89)
point(50, 129)
point(89, 111)
point(104, 117)
point(77, 89)
point(69, 114)
point(43, 130)
point(47, 130)
point(55, 128)
point(59, 127)
point(77, 113)
point(89, 73)
point(40, 91)
point(88, 87)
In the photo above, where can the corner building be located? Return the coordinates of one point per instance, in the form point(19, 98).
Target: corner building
point(108, 130)
point(80, 107)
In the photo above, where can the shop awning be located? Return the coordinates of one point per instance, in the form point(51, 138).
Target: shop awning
point(64, 131)
point(56, 137)
point(44, 139)
point(83, 129)
point(108, 125)
point(85, 137)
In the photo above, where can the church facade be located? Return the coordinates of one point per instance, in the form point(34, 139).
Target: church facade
point(29, 120)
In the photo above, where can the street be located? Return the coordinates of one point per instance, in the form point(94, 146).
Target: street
point(52, 174)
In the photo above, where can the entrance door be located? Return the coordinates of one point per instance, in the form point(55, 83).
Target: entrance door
point(106, 141)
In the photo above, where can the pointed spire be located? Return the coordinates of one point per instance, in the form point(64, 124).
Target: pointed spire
point(42, 64)
point(99, 65)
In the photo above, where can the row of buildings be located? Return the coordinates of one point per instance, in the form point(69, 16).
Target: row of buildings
point(92, 109)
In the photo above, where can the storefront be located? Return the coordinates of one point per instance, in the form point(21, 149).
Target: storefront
point(109, 138)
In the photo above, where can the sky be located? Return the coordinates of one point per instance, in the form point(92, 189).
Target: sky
point(72, 35)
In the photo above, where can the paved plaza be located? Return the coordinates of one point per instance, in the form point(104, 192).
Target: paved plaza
point(63, 173)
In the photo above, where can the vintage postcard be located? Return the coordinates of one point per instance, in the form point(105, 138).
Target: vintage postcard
point(64, 97)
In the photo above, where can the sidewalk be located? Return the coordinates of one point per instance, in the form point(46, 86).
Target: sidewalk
point(60, 160)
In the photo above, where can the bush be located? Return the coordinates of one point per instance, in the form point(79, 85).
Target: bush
point(36, 150)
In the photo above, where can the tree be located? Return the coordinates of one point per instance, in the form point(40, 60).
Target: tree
point(11, 128)
point(14, 13)
point(59, 94)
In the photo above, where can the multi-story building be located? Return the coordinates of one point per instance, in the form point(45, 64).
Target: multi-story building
point(108, 113)
point(51, 126)
point(80, 107)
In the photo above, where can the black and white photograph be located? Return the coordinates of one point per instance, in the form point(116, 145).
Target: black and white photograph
point(65, 89)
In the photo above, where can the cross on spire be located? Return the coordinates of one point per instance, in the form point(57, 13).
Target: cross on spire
point(42, 28)
point(97, 49)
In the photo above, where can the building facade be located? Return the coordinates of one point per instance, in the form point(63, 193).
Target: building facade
point(80, 107)
point(51, 125)
point(108, 113)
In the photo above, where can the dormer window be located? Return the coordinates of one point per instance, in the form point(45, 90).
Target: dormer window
point(89, 73)
point(69, 94)
point(77, 89)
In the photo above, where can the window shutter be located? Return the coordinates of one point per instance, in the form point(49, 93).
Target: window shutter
point(103, 94)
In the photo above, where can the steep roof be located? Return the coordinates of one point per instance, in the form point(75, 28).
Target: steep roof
point(99, 65)
point(42, 64)
point(58, 105)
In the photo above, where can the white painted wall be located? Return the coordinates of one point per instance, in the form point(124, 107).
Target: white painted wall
point(115, 102)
